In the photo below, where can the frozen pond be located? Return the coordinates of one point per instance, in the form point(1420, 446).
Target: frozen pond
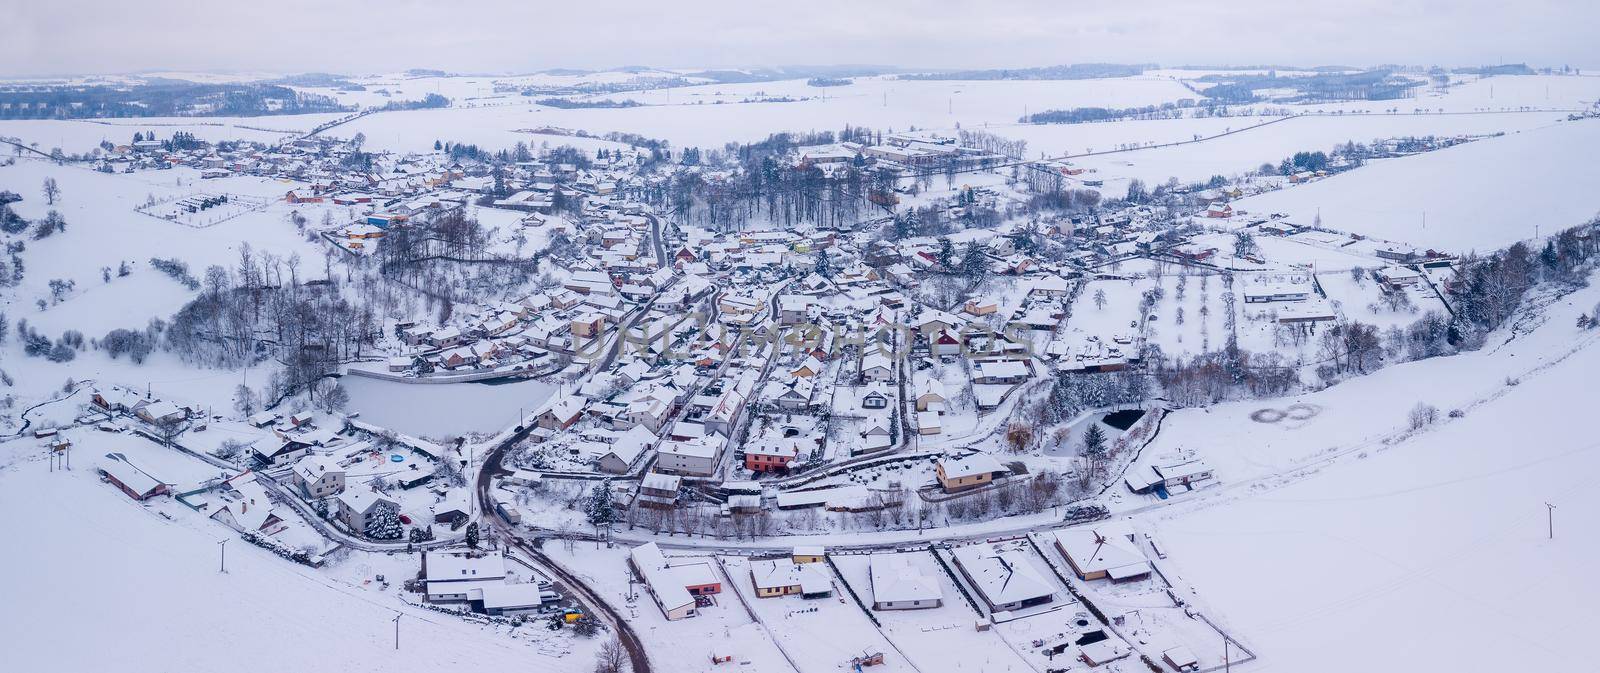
point(439, 410)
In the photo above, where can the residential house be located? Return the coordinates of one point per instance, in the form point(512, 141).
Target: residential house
point(1094, 555)
point(784, 577)
point(1005, 576)
point(356, 507)
point(318, 477)
point(904, 581)
point(972, 471)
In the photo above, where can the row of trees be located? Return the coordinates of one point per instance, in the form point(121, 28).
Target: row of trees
point(266, 308)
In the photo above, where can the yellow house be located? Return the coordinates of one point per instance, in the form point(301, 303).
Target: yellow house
point(959, 474)
point(588, 325)
point(808, 554)
point(981, 307)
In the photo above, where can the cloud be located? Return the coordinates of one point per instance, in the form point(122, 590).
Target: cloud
point(358, 36)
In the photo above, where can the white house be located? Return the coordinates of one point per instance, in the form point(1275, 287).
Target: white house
point(1006, 577)
point(356, 507)
point(696, 457)
point(1099, 554)
point(318, 477)
point(664, 585)
point(904, 582)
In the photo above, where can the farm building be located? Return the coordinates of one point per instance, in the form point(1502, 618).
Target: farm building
point(137, 483)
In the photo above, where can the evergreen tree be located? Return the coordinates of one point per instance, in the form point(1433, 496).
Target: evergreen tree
point(947, 254)
point(1094, 445)
point(824, 266)
point(472, 535)
point(384, 523)
point(599, 508)
point(974, 263)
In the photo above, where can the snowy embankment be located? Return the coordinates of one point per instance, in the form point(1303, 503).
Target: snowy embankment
point(1399, 552)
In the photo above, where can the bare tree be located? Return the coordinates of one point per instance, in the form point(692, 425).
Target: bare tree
point(611, 658)
point(52, 191)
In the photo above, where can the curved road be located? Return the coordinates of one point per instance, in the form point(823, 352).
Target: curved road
point(492, 464)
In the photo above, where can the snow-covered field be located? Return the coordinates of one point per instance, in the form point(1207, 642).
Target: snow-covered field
point(1412, 548)
point(84, 135)
point(1479, 196)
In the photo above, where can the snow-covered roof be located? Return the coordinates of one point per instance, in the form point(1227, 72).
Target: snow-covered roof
point(657, 481)
point(899, 578)
point(972, 465)
point(135, 479)
point(782, 573)
point(456, 566)
point(1093, 551)
point(664, 585)
point(501, 596)
point(1004, 576)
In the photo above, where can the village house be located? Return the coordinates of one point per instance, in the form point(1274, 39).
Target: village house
point(357, 506)
point(930, 395)
point(242, 504)
point(674, 583)
point(959, 474)
point(784, 577)
point(659, 491)
point(1094, 555)
point(1006, 578)
point(562, 414)
point(903, 581)
point(697, 457)
point(455, 575)
point(1004, 372)
point(318, 477)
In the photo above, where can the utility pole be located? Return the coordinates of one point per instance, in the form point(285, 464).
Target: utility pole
point(1227, 658)
point(397, 630)
point(222, 548)
point(1550, 519)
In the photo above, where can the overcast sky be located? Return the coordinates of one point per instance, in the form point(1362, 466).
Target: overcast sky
point(500, 36)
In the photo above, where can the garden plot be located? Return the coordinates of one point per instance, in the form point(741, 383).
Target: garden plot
point(953, 383)
point(822, 634)
point(1105, 315)
point(1366, 300)
point(1323, 251)
point(1276, 295)
point(203, 209)
point(93, 447)
point(1191, 317)
point(942, 638)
